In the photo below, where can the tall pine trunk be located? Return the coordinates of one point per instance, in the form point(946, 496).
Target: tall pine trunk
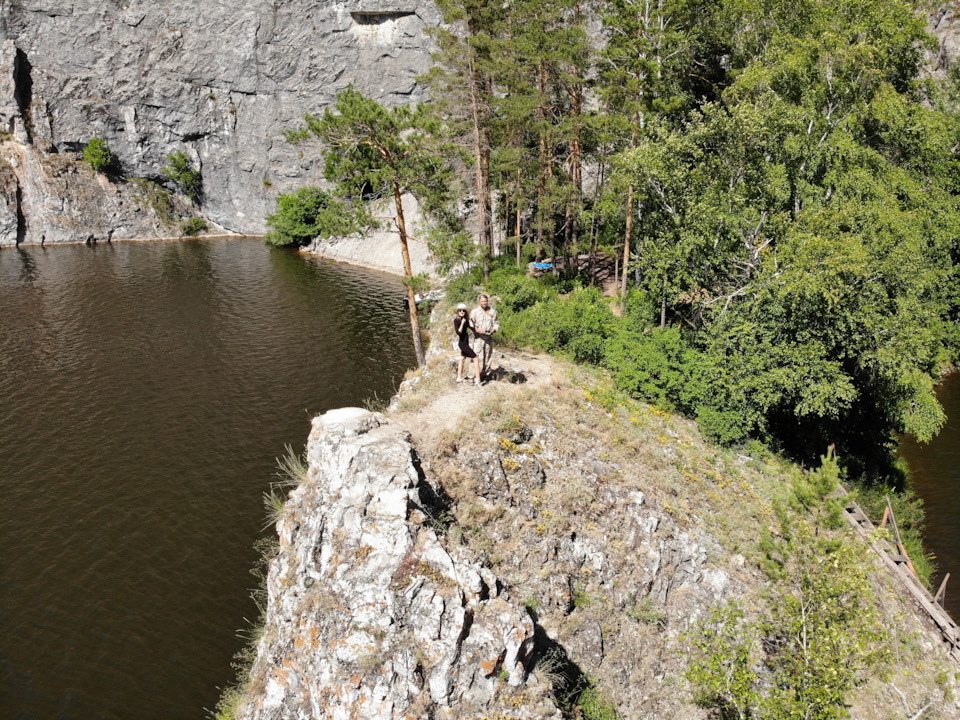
point(482, 165)
point(629, 225)
point(408, 273)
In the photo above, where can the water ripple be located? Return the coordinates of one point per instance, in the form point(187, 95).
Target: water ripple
point(146, 391)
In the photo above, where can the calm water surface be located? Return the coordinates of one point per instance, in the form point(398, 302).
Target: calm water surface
point(145, 392)
point(935, 475)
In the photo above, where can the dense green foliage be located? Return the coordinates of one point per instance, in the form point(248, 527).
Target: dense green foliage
point(180, 169)
point(308, 214)
point(782, 177)
point(739, 383)
point(820, 638)
point(193, 226)
point(97, 154)
point(778, 180)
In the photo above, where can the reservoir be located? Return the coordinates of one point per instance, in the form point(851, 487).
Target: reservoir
point(935, 477)
point(146, 390)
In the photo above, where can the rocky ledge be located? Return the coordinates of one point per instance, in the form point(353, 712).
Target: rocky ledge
point(536, 548)
point(369, 615)
point(218, 81)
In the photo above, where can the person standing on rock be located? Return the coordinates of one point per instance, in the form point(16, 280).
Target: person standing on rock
point(461, 326)
point(484, 322)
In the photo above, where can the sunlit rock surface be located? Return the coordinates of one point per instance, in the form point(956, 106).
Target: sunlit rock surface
point(219, 81)
point(369, 615)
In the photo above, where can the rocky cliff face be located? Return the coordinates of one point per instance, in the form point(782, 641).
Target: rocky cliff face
point(54, 198)
point(218, 80)
point(528, 549)
point(369, 615)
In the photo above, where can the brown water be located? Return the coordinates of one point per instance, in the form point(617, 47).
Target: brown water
point(145, 392)
point(935, 475)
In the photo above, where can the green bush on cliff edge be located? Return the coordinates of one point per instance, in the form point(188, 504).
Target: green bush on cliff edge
point(179, 168)
point(98, 156)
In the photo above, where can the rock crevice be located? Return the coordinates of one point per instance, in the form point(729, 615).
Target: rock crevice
point(369, 615)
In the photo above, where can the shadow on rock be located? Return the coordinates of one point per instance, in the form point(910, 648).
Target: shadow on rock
point(435, 504)
point(550, 662)
point(515, 377)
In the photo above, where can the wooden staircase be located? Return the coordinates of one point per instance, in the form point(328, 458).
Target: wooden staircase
point(895, 558)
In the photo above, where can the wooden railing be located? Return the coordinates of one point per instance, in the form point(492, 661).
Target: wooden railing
point(894, 556)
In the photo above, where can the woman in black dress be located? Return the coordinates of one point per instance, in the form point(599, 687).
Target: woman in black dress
point(461, 326)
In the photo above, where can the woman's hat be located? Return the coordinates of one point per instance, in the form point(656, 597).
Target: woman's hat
point(461, 306)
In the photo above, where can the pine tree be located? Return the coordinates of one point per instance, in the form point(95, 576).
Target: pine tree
point(643, 62)
point(371, 152)
point(462, 83)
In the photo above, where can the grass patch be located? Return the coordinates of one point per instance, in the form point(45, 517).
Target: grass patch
point(292, 469)
point(593, 705)
point(645, 611)
point(158, 199)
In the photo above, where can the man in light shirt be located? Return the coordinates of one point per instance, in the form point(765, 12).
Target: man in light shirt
point(483, 319)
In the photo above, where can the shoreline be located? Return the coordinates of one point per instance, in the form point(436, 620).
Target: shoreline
point(366, 260)
point(226, 234)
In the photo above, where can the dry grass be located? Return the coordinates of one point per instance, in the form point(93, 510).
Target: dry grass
point(578, 426)
point(527, 468)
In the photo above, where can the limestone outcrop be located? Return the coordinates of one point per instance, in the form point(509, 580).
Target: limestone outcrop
point(219, 81)
point(523, 550)
point(369, 614)
point(943, 23)
point(54, 198)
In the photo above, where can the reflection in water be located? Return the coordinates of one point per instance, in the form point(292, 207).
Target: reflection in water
point(146, 391)
point(935, 476)
point(28, 275)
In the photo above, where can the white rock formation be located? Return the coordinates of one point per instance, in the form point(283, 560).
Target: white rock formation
point(369, 615)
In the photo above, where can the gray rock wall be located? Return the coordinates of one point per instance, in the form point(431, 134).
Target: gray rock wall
point(944, 24)
point(218, 80)
point(370, 616)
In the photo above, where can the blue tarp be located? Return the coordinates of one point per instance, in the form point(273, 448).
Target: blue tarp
point(543, 266)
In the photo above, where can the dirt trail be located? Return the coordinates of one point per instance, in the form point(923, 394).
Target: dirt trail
point(452, 404)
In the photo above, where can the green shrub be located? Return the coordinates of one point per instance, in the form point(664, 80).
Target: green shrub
point(578, 325)
point(722, 426)
point(654, 366)
point(98, 155)
point(179, 169)
point(193, 227)
point(309, 213)
point(827, 623)
point(594, 706)
point(516, 291)
point(721, 669)
point(464, 288)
